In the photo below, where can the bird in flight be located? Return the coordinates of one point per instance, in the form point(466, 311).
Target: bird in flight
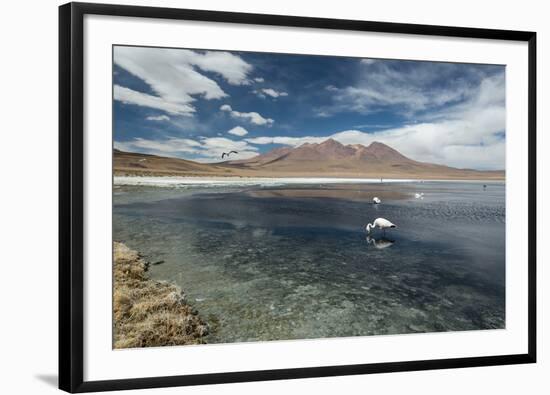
point(224, 154)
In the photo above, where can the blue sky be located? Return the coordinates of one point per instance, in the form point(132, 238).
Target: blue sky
point(196, 104)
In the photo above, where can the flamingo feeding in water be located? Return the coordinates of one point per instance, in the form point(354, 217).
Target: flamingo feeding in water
point(380, 223)
point(376, 200)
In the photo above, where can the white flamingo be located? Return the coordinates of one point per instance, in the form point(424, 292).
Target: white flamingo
point(376, 200)
point(380, 223)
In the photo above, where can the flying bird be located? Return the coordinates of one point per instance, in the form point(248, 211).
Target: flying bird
point(224, 154)
point(380, 223)
point(376, 200)
point(419, 195)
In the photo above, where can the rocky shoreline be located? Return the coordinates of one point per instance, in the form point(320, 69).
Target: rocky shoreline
point(150, 313)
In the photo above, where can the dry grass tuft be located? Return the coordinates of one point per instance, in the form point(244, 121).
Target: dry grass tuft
point(149, 313)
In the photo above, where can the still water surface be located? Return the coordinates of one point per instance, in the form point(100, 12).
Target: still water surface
point(294, 262)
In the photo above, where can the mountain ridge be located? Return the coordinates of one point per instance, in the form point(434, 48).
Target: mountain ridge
point(331, 149)
point(328, 158)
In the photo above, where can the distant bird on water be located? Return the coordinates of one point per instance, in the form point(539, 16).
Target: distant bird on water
point(376, 200)
point(419, 195)
point(224, 154)
point(380, 223)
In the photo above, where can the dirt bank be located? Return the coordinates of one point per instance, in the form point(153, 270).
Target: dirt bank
point(150, 313)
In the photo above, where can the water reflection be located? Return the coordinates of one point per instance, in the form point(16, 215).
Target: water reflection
point(380, 243)
point(274, 263)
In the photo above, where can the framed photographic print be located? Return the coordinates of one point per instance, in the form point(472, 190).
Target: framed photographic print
point(253, 197)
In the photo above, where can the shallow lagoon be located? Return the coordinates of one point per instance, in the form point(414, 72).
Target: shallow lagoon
point(293, 261)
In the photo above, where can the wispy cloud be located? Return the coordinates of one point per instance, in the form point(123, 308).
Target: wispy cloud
point(270, 92)
point(382, 86)
point(252, 117)
point(172, 74)
point(158, 118)
point(230, 66)
point(165, 146)
point(372, 126)
point(130, 96)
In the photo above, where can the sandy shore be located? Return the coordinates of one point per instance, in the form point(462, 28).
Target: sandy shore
point(149, 313)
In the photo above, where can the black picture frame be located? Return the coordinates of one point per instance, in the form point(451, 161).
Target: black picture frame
point(71, 195)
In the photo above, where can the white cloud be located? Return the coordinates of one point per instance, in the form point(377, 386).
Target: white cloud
point(172, 73)
point(215, 146)
point(158, 118)
point(252, 117)
point(457, 143)
point(238, 131)
point(126, 95)
point(259, 79)
point(231, 67)
point(166, 146)
point(271, 92)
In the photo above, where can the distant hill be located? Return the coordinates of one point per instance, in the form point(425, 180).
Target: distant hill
point(131, 163)
point(327, 159)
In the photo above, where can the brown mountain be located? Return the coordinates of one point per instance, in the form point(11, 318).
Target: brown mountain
point(331, 158)
point(327, 159)
point(329, 154)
